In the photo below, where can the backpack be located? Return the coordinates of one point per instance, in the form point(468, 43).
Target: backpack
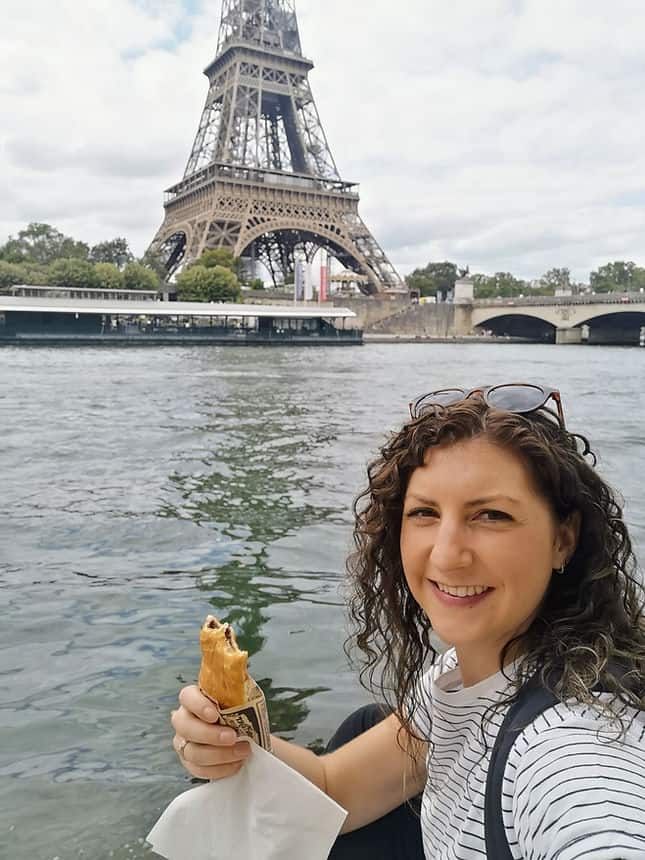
point(533, 699)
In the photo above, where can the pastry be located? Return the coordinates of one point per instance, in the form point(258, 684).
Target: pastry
point(223, 676)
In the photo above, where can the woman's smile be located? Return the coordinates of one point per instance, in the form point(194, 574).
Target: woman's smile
point(463, 596)
point(476, 536)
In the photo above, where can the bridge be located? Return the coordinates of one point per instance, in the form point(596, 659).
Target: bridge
point(612, 318)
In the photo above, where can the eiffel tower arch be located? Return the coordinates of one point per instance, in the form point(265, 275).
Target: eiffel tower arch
point(261, 180)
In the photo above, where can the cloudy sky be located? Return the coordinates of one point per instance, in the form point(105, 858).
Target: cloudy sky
point(503, 134)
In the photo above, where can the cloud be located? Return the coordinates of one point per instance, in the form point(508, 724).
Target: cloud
point(503, 134)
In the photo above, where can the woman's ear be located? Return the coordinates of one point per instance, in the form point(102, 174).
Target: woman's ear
point(567, 538)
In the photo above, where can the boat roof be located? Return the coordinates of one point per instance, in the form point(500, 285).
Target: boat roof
point(38, 304)
point(93, 291)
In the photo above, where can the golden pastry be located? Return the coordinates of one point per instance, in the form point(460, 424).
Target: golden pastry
point(223, 675)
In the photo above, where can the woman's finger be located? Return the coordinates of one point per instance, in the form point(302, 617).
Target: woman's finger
point(197, 703)
point(199, 768)
point(186, 724)
point(202, 755)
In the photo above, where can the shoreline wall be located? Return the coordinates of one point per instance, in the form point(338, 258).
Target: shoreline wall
point(427, 320)
point(370, 310)
point(396, 315)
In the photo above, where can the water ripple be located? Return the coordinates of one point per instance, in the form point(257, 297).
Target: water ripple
point(143, 489)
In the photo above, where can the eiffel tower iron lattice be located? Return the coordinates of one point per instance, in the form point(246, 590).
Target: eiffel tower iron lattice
point(261, 180)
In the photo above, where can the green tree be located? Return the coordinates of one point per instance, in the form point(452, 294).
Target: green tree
point(10, 274)
point(72, 273)
point(9, 252)
point(484, 286)
point(42, 244)
point(136, 276)
point(555, 279)
point(617, 276)
point(435, 277)
point(500, 285)
point(220, 257)
point(156, 263)
point(202, 284)
point(256, 284)
point(108, 276)
point(116, 251)
point(34, 275)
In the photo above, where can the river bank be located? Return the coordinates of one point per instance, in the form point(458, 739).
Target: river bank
point(419, 338)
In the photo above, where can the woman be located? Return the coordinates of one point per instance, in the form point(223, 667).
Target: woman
point(485, 526)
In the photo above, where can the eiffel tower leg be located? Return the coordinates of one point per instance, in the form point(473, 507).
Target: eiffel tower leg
point(188, 231)
point(169, 248)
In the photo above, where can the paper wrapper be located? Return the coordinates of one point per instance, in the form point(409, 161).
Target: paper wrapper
point(267, 811)
point(252, 719)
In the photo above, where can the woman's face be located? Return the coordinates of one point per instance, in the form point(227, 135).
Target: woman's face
point(473, 522)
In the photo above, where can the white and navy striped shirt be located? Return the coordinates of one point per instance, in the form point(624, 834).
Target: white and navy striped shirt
point(571, 790)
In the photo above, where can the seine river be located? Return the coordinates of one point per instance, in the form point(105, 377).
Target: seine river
point(143, 488)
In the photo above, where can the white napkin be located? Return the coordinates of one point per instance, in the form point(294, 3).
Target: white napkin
point(267, 811)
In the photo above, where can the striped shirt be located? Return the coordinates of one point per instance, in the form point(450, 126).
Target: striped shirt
point(571, 789)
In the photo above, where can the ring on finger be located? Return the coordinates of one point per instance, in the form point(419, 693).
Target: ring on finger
point(182, 749)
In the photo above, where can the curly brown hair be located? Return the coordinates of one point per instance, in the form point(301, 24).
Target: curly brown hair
point(590, 627)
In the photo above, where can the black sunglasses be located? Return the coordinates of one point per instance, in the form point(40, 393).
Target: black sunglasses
point(511, 397)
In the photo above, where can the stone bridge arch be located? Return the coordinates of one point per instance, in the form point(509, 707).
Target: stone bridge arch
point(516, 324)
point(611, 321)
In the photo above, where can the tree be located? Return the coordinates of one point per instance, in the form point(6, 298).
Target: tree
point(34, 275)
point(10, 252)
point(202, 284)
point(256, 284)
point(220, 257)
point(10, 274)
point(155, 261)
point(139, 277)
point(108, 276)
point(72, 273)
point(555, 279)
point(617, 276)
point(435, 277)
point(116, 251)
point(42, 244)
point(499, 285)
point(484, 286)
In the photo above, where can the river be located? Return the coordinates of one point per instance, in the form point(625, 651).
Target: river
point(143, 488)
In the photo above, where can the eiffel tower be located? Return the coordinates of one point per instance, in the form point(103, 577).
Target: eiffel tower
point(261, 180)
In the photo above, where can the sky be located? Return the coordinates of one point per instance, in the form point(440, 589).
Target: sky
point(506, 135)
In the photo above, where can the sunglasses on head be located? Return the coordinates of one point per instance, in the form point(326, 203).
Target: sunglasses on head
point(517, 397)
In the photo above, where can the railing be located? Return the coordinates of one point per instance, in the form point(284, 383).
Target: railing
point(550, 301)
point(72, 293)
point(219, 169)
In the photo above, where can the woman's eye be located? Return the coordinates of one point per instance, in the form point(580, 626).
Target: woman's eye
point(496, 515)
point(427, 513)
point(422, 512)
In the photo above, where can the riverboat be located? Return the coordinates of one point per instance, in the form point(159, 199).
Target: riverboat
point(42, 319)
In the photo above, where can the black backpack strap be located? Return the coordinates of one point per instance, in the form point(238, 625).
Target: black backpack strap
point(532, 701)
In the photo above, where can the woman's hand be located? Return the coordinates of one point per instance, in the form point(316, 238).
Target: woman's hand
point(206, 750)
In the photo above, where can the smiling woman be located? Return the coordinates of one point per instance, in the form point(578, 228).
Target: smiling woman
point(459, 554)
point(484, 525)
point(488, 528)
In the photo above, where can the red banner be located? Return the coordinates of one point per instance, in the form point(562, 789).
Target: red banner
point(324, 282)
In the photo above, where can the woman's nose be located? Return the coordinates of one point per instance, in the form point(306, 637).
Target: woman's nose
point(450, 550)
